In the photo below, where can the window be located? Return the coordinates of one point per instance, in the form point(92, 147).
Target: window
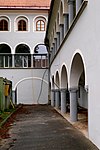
point(5, 56)
point(22, 25)
point(40, 25)
point(3, 25)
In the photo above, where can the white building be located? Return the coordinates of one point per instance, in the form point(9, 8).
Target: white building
point(22, 27)
point(73, 34)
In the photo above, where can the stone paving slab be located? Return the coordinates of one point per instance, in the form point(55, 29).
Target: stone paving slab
point(40, 127)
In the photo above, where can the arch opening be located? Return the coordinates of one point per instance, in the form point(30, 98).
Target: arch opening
point(52, 81)
point(40, 58)
point(31, 94)
point(57, 91)
point(5, 56)
point(57, 81)
point(64, 90)
point(22, 56)
point(64, 78)
point(78, 93)
point(22, 48)
point(61, 14)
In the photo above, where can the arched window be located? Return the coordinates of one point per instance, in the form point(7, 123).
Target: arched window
point(22, 25)
point(5, 56)
point(3, 25)
point(40, 25)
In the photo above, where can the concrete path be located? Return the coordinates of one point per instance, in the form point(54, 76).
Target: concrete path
point(42, 128)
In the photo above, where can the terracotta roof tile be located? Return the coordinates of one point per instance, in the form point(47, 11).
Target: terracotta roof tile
point(24, 3)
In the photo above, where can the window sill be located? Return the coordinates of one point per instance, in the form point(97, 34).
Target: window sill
point(39, 31)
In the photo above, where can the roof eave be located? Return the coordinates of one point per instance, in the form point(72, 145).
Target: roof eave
point(25, 8)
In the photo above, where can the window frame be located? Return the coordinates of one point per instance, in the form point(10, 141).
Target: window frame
point(7, 21)
point(22, 25)
point(39, 26)
point(21, 18)
point(41, 19)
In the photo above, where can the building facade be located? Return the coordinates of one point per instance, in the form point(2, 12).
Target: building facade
point(73, 33)
point(22, 27)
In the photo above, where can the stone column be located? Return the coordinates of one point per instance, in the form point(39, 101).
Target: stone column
point(52, 98)
point(66, 23)
point(13, 60)
point(61, 32)
point(53, 49)
point(63, 101)
point(58, 40)
point(78, 4)
point(32, 57)
point(55, 39)
point(57, 100)
point(51, 56)
point(71, 11)
point(73, 105)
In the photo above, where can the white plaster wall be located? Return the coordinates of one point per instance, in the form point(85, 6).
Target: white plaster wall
point(28, 91)
point(85, 38)
point(83, 100)
point(30, 37)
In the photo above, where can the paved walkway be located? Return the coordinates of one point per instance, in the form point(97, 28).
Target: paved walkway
point(42, 128)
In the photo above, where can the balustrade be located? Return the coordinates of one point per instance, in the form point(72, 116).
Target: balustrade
point(23, 60)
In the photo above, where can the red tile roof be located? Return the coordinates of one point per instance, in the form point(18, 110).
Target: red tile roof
point(25, 3)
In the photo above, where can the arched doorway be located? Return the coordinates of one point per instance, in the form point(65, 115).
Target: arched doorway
point(57, 91)
point(57, 81)
point(22, 56)
point(52, 91)
point(78, 93)
point(24, 92)
point(64, 90)
point(52, 83)
point(5, 56)
point(64, 78)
